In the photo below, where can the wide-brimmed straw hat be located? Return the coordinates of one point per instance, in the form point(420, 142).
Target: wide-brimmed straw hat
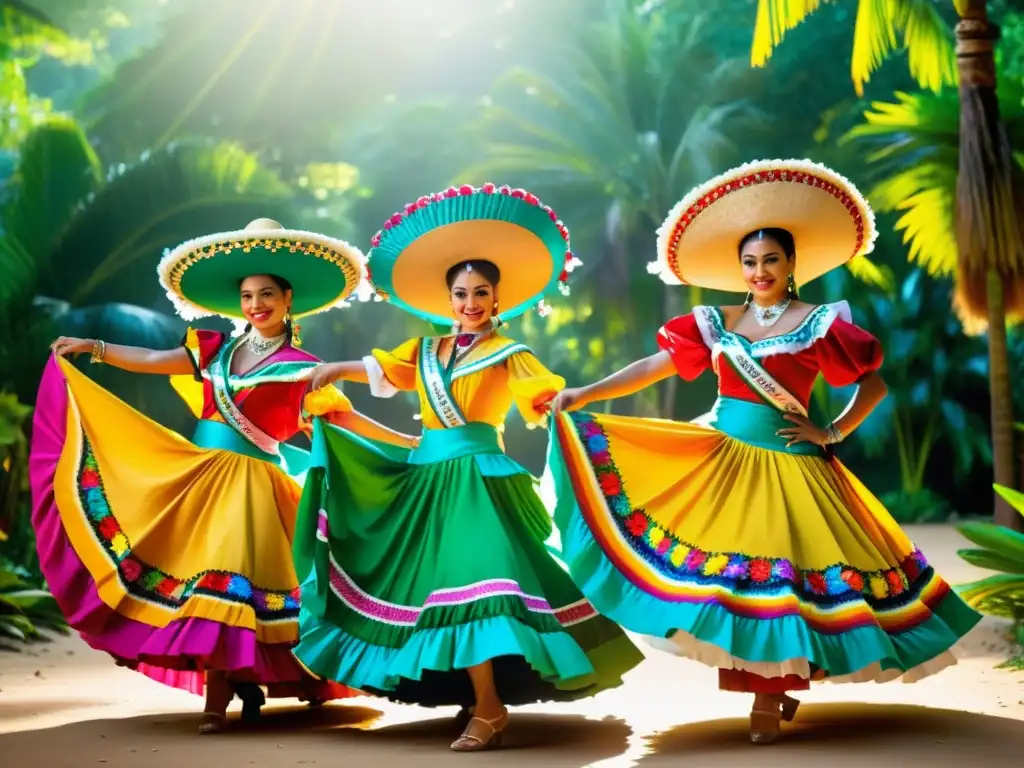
point(509, 227)
point(831, 223)
point(202, 276)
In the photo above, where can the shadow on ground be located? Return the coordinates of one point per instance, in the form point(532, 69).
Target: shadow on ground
point(896, 736)
point(328, 736)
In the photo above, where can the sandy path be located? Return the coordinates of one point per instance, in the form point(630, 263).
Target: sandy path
point(63, 705)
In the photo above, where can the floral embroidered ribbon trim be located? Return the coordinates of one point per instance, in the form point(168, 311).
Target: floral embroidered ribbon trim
point(149, 583)
point(740, 572)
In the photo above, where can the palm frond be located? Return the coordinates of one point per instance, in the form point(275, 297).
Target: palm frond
point(117, 237)
point(57, 170)
point(871, 273)
point(773, 20)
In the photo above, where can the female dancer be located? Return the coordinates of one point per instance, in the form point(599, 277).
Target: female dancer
point(174, 556)
point(430, 582)
point(739, 540)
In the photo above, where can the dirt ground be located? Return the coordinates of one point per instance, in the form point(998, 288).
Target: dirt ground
point(63, 705)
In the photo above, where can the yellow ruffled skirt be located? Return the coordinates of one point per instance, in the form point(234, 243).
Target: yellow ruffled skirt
point(168, 556)
point(723, 546)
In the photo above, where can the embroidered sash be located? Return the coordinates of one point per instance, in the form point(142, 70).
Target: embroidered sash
point(221, 380)
point(436, 385)
point(757, 378)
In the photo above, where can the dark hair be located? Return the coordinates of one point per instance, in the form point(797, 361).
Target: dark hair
point(281, 283)
point(488, 269)
point(781, 236)
point(277, 280)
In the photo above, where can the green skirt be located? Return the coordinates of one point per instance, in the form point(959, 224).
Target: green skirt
point(417, 565)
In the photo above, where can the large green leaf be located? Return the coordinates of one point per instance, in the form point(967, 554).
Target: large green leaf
point(1001, 595)
point(57, 170)
point(994, 561)
point(997, 538)
point(110, 250)
point(1014, 498)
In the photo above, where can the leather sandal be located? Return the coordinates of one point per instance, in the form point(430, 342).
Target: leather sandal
point(764, 726)
point(212, 723)
point(482, 734)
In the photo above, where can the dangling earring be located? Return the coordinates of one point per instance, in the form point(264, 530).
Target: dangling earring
point(791, 284)
point(495, 319)
point(294, 329)
point(750, 298)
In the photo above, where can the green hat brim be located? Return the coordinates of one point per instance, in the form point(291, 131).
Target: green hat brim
point(202, 276)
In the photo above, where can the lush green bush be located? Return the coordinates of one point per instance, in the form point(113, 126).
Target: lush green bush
point(1000, 549)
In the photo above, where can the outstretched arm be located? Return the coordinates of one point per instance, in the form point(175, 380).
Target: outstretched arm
point(328, 373)
point(633, 378)
point(169, 362)
point(370, 429)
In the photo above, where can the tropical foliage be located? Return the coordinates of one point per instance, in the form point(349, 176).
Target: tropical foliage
point(880, 29)
point(999, 549)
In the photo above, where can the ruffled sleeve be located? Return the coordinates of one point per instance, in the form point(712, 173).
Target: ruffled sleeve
point(202, 346)
point(324, 401)
point(681, 338)
point(532, 385)
point(847, 354)
point(394, 371)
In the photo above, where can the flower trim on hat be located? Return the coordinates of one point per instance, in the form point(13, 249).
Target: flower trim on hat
point(175, 262)
point(571, 261)
point(666, 267)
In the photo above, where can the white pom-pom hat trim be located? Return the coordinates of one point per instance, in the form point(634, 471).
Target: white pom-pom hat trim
point(267, 236)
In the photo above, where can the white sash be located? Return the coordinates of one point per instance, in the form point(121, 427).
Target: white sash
point(757, 378)
point(439, 395)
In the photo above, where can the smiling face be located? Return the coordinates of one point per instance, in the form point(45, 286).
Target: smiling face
point(766, 269)
point(265, 303)
point(473, 300)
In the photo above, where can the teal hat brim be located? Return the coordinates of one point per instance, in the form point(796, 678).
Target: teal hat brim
point(202, 276)
point(516, 233)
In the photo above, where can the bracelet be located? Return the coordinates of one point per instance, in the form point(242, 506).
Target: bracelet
point(834, 435)
point(99, 349)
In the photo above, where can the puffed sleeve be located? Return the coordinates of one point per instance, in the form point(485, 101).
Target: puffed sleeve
point(394, 371)
point(202, 346)
point(532, 385)
point(681, 338)
point(847, 354)
point(324, 401)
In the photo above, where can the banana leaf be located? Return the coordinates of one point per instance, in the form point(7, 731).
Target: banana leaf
point(1001, 595)
point(997, 538)
point(1014, 498)
point(994, 561)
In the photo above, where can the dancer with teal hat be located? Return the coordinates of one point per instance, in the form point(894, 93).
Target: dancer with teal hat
point(428, 580)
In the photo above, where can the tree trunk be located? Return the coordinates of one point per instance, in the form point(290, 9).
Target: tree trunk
point(987, 235)
point(1003, 453)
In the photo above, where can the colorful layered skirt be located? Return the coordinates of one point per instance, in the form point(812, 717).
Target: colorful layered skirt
point(173, 557)
point(720, 544)
point(424, 563)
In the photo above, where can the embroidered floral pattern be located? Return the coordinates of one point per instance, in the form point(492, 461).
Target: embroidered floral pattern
point(740, 572)
point(146, 582)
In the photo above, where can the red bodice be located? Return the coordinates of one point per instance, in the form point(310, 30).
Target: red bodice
point(275, 408)
point(830, 345)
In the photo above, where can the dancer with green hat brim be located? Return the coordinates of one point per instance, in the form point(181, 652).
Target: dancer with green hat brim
point(429, 579)
point(174, 556)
